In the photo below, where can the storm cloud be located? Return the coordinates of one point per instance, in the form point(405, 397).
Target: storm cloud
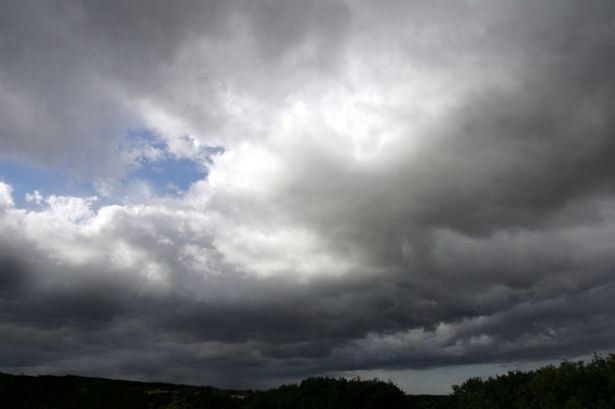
point(385, 186)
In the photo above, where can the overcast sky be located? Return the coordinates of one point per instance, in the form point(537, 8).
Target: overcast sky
point(244, 193)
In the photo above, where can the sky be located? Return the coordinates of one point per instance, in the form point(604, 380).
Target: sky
point(247, 193)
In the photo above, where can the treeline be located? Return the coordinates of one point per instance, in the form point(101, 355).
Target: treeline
point(571, 385)
point(72, 392)
point(329, 393)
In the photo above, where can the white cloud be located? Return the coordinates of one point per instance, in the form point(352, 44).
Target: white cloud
point(35, 197)
point(6, 196)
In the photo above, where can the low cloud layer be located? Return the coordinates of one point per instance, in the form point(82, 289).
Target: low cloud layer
point(385, 186)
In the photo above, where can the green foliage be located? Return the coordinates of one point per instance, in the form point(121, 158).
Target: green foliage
point(571, 385)
point(325, 393)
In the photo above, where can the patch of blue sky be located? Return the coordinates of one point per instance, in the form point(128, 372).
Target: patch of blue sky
point(145, 136)
point(25, 179)
point(165, 174)
point(169, 175)
point(137, 137)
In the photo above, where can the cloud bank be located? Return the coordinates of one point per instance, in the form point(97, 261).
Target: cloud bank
point(385, 186)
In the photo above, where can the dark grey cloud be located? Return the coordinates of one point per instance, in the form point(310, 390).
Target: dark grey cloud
point(404, 185)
